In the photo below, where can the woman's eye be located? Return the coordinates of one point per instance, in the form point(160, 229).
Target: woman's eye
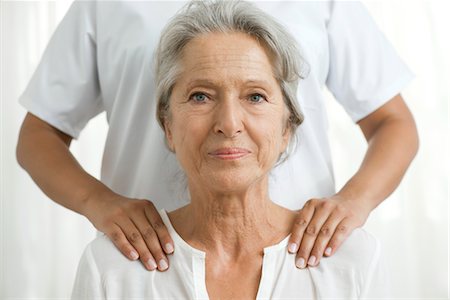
point(198, 97)
point(256, 98)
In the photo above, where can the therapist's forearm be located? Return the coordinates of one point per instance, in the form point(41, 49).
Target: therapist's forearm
point(391, 149)
point(44, 153)
point(134, 226)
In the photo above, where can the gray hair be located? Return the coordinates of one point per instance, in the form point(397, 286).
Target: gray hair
point(201, 17)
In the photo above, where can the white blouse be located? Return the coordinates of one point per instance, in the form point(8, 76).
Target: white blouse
point(355, 271)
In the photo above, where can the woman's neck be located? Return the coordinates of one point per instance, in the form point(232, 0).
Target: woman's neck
point(232, 224)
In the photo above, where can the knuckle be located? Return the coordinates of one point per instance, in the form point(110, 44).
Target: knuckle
point(158, 225)
point(327, 205)
point(309, 203)
point(128, 205)
point(148, 233)
point(115, 236)
point(134, 237)
point(311, 230)
point(325, 231)
point(136, 207)
point(301, 222)
point(342, 229)
point(316, 201)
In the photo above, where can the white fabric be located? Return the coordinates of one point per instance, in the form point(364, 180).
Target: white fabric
point(100, 59)
point(354, 272)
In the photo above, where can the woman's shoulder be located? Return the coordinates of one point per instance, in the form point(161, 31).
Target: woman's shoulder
point(103, 269)
point(105, 254)
point(360, 251)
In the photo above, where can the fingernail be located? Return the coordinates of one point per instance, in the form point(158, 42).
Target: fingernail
point(169, 248)
point(292, 247)
point(152, 264)
point(163, 265)
point(312, 260)
point(300, 263)
point(328, 251)
point(134, 255)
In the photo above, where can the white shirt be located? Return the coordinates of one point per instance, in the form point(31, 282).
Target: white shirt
point(353, 272)
point(99, 59)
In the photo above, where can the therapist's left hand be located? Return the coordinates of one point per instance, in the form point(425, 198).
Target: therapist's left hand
point(322, 225)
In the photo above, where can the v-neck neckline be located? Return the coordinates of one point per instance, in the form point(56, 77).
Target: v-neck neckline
point(199, 262)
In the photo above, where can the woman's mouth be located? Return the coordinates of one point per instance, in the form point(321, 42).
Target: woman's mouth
point(229, 153)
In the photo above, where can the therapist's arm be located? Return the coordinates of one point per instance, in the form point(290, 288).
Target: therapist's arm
point(325, 223)
point(133, 225)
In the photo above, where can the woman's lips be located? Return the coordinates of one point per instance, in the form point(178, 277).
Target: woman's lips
point(229, 153)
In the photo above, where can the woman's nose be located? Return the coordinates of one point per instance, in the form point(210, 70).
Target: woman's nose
point(228, 118)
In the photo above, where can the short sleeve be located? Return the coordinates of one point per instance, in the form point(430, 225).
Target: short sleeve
point(88, 284)
point(64, 89)
point(364, 69)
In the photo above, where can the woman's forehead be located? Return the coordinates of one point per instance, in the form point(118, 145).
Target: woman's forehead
point(216, 50)
point(238, 71)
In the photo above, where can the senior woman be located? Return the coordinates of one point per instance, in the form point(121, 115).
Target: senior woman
point(226, 78)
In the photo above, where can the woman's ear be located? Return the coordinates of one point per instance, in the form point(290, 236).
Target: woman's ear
point(287, 130)
point(169, 136)
point(286, 137)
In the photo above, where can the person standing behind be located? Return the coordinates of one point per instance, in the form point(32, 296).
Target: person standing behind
point(99, 59)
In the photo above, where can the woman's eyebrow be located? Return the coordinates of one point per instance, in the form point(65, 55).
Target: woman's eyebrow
point(203, 82)
point(211, 83)
point(258, 82)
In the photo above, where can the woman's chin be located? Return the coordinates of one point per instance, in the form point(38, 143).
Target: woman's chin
point(234, 182)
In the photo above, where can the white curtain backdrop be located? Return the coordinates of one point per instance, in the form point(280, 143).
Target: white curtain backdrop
point(42, 242)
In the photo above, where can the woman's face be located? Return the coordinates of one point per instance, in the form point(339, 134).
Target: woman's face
point(227, 119)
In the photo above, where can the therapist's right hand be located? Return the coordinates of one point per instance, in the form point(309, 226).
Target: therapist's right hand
point(134, 226)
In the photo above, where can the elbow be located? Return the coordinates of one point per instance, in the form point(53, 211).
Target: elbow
point(415, 143)
point(411, 141)
point(20, 150)
point(23, 144)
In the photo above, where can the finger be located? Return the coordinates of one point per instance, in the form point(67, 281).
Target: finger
point(343, 230)
point(320, 216)
point(158, 226)
point(301, 222)
point(135, 238)
point(119, 239)
point(324, 236)
point(153, 252)
point(151, 240)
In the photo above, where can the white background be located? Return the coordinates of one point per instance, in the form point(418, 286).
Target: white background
point(42, 242)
